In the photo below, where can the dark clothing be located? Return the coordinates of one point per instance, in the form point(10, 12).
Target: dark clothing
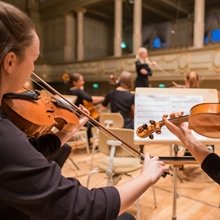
point(47, 144)
point(33, 188)
point(121, 101)
point(126, 216)
point(211, 165)
point(81, 95)
point(142, 80)
point(50, 146)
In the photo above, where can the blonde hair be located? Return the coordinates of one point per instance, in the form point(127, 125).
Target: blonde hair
point(192, 80)
point(141, 59)
point(125, 80)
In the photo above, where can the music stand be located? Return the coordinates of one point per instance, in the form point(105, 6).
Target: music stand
point(153, 103)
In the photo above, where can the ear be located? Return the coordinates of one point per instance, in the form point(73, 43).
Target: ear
point(9, 62)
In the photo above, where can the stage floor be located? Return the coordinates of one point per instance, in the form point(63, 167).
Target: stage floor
point(198, 196)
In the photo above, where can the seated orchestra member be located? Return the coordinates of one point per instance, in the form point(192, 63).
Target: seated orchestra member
point(121, 99)
point(77, 88)
point(191, 81)
point(76, 81)
point(30, 186)
point(210, 162)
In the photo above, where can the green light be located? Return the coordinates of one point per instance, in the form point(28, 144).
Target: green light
point(95, 85)
point(123, 45)
point(161, 85)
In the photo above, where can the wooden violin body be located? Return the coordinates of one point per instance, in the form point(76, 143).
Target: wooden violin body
point(92, 110)
point(37, 113)
point(204, 119)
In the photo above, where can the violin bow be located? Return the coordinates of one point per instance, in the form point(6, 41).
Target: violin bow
point(126, 146)
point(79, 112)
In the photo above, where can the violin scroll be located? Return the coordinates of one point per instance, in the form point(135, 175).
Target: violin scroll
point(147, 130)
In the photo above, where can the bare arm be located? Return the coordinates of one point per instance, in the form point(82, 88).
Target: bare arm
point(196, 148)
point(97, 99)
point(151, 172)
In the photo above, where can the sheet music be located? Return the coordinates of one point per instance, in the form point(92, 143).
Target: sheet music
point(152, 106)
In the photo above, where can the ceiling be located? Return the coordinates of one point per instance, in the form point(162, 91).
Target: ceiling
point(153, 10)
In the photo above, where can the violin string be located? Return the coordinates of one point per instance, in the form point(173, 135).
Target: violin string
point(42, 87)
point(92, 121)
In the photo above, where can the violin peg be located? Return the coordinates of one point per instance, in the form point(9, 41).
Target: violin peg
point(152, 122)
point(144, 126)
point(158, 132)
point(151, 136)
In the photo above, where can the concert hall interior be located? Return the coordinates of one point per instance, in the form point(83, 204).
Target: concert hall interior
point(128, 61)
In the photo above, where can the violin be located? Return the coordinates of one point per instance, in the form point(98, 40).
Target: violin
point(204, 119)
point(49, 113)
point(37, 112)
point(90, 106)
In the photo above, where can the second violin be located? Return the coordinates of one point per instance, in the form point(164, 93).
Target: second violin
point(204, 119)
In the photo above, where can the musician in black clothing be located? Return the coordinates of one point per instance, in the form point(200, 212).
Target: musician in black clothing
point(143, 68)
point(76, 81)
point(31, 187)
point(77, 88)
point(122, 100)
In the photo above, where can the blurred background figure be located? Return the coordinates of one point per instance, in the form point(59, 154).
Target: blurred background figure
point(77, 82)
point(143, 68)
point(83, 98)
point(191, 81)
point(121, 99)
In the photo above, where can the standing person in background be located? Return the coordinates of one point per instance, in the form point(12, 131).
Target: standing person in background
point(122, 100)
point(143, 68)
point(30, 186)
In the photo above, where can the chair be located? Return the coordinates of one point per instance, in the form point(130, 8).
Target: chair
point(70, 98)
point(117, 161)
point(110, 119)
point(79, 140)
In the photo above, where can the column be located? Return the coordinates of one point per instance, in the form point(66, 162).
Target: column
point(118, 28)
point(69, 48)
point(198, 33)
point(137, 25)
point(80, 36)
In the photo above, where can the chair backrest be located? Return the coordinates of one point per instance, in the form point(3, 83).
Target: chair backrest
point(79, 140)
point(109, 119)
point(124, 134)
point(70, 98)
